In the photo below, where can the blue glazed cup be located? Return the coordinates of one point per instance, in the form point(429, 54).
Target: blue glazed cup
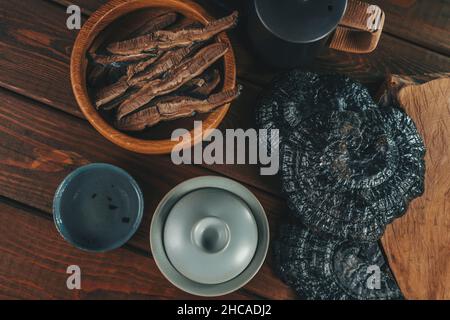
point(98, 207)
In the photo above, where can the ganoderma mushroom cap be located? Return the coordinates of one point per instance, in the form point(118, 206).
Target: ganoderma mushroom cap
point(325, 268)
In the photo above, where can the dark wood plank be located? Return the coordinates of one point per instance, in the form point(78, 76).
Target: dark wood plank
point(392, 56)
point(40, 146)
point(368, 68)
point(48, 81)
point(425, 22)
point(35, 259)
point(38, 45)
point(86, 5)
point(34, 55)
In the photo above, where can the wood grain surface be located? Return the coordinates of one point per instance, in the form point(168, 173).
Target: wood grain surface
point(40, 146)
point(47, 78)
point(425, 22)
point(418, 244)
point(35, 260)
point(43, 136)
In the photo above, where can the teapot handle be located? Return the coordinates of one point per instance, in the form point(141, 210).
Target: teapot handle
point(360, 29)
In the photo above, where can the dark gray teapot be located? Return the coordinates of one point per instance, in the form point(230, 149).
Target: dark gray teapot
point(291, 33)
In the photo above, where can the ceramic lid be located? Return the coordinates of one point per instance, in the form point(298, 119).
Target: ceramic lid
point(210, 236)
point(300, 21)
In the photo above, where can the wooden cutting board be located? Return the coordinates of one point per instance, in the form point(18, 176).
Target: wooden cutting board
point(418, 245)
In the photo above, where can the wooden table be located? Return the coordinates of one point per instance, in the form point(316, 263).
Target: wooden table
point(43, 137)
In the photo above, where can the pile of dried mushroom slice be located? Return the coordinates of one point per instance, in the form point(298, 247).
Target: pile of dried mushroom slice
point(163, 71)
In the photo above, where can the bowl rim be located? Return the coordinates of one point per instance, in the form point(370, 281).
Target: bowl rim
point(97, 23)
point(56, 207)
point(157, 228)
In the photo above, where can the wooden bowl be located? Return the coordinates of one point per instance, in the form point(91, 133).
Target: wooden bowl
point(97, 24)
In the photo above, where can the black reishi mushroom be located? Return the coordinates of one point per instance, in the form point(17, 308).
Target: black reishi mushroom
point(348, 167)
point(350, 174)
point(325, 268)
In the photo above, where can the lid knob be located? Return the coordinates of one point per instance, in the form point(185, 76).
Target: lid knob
point(211, 234)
